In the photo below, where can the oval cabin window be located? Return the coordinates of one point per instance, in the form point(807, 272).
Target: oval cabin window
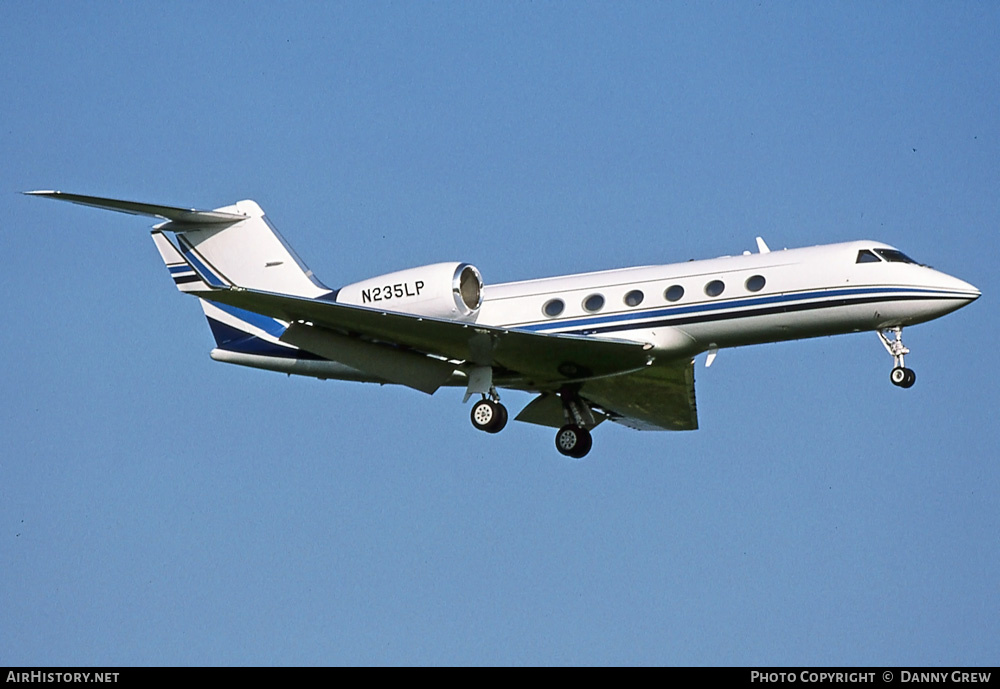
point(553, 308)
point(595, 302)
point(634, 298)
point(715, 288)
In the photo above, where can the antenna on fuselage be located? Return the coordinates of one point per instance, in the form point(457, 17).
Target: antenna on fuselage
point(761, 246)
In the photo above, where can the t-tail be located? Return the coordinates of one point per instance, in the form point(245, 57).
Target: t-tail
point(218, 249)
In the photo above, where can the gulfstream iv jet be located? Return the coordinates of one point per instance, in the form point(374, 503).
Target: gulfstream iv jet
point(615, 345)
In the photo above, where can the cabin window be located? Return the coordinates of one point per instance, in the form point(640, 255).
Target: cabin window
point(553, 307)
point(634, 298)
point(755, 283)
point(595, 302)
point(894, 256)
point(715, 288)
point(674, 293)
point(865, 256)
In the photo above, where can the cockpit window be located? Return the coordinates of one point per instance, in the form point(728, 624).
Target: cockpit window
point(865, 256)
point(894, 256)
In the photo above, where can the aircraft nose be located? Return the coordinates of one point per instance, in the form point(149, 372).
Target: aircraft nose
point(962, 289)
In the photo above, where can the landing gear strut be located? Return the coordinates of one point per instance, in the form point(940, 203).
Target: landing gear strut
point(573, 439)
point(900, 376)
point(488, 414)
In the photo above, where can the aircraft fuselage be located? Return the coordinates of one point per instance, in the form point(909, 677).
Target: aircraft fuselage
point(734, 300)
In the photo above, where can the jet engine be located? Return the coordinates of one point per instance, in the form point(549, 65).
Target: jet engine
point(452, 291)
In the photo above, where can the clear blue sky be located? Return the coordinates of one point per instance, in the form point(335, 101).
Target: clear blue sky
point(160, 508)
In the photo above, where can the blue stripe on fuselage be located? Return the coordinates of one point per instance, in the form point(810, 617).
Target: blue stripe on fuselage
point(670, 314)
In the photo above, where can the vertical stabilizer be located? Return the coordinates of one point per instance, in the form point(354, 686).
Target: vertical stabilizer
point(248, 253)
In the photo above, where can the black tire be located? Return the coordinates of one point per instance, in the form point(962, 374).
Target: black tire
point(573, 441)
point(489, 416)
point(899, 377)
point(501, 419)
point(911, 378)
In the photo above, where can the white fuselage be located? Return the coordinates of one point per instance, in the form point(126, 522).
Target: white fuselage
point(765, 297)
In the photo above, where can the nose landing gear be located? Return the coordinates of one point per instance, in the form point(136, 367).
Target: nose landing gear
point(903, 377)
point(900, 376)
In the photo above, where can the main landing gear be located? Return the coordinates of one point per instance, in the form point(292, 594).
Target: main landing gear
point(900, 376)
point(572, 440)
point(488, 414)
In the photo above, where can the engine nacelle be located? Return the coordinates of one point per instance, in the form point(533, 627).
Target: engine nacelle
point(452, 291)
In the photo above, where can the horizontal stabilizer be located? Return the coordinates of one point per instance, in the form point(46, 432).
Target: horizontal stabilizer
point(187, 216)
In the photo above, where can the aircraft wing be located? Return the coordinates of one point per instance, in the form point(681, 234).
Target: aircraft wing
point(539, 361)
point(660, 397)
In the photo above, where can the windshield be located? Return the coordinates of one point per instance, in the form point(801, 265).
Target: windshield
point(894, 256)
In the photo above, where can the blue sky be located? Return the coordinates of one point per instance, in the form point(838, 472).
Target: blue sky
point(160, 508)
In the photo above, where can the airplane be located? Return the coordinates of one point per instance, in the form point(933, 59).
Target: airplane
point(614, 345)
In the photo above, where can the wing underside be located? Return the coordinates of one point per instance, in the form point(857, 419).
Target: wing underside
point(658, 398)
point(624, 379)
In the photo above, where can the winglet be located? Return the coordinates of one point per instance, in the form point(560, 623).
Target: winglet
point(186, 216)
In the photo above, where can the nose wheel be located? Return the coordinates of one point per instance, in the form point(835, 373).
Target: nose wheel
point(903, 377)
point(900, 376)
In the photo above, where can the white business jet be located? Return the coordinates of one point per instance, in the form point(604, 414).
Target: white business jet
point(615, 345)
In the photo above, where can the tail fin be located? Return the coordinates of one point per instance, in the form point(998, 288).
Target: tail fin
point(248, 253)
point(234, 329)
point(234, 245)
point(222, 248)
point(183, 273)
